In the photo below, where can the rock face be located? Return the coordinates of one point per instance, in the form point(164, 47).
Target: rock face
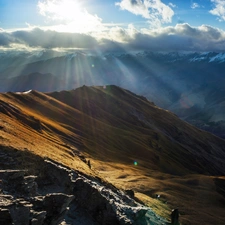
point(64, 197)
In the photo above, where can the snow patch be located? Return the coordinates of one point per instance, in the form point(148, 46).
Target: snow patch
point(24, 92)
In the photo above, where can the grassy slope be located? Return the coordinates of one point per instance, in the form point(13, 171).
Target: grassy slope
point(114, 128)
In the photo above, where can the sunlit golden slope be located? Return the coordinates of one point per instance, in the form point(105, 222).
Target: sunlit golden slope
point(130, 142)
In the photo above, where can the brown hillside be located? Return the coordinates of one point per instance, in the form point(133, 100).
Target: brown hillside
point(131, 143)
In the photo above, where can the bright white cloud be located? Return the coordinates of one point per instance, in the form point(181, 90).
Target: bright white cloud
point(219, 9)
point(154, 11)
point(195, 5)
point(70, 15)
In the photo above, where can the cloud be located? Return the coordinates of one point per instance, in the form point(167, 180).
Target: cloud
point(154, 11)
point(47, 39)
point(195, 5)
point(181, 37)
point(122, 35)
point(219, 9)
point(172, 5)
point(6, 39)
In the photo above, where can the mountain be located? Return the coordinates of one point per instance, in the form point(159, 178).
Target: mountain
point(93, 142)
point(19, 58)
point(189, 84)
point(42, 82)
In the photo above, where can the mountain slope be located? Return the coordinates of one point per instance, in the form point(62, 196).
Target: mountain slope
point(151, 126)
point(129, 142)
point(188, 84)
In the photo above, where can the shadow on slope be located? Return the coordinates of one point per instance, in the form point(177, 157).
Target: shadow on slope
point(130, 142)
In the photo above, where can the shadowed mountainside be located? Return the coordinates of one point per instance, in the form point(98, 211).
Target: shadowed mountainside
point(189, 84)
point(129, 141)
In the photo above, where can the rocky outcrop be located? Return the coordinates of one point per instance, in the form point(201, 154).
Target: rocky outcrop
point(59, 195)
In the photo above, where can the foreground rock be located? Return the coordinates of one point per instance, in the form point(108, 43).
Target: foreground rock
point(63, 196)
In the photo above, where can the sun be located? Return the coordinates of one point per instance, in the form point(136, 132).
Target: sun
point(69, 15)
point(65, 10)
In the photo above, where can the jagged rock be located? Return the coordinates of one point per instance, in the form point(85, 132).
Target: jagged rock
point(56, 177)
point(96, 205)
point(37, 217)
point(6, 161)
point(37, 202)
point(108, 206)
point(12, 181)
point(35, 221)
point(130, 193)
point(55, 206)
point(58, 195)
point(16, 183)
point(30, 185)
point(20, 213)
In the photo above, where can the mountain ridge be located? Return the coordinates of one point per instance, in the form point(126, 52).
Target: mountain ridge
point(187, 84)
point(129, 141)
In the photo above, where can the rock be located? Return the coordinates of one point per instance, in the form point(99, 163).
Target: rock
point(38, 217)
point(56, 206)
point(16, 183)
point(59, 195)
point(20, 214)
point(5, 217)
point(130, 193)
point(175, 217)
point(97, 205)
point(37, 202)
point(30, 185)
point(56, 177)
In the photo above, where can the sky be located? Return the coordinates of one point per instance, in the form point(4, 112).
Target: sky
point(113, 25)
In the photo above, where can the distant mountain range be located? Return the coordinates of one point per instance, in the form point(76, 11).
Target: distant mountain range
point(192, 85)
point(79, 144)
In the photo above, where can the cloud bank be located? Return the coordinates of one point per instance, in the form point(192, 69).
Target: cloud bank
point(46, 39)
point(181, 37)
